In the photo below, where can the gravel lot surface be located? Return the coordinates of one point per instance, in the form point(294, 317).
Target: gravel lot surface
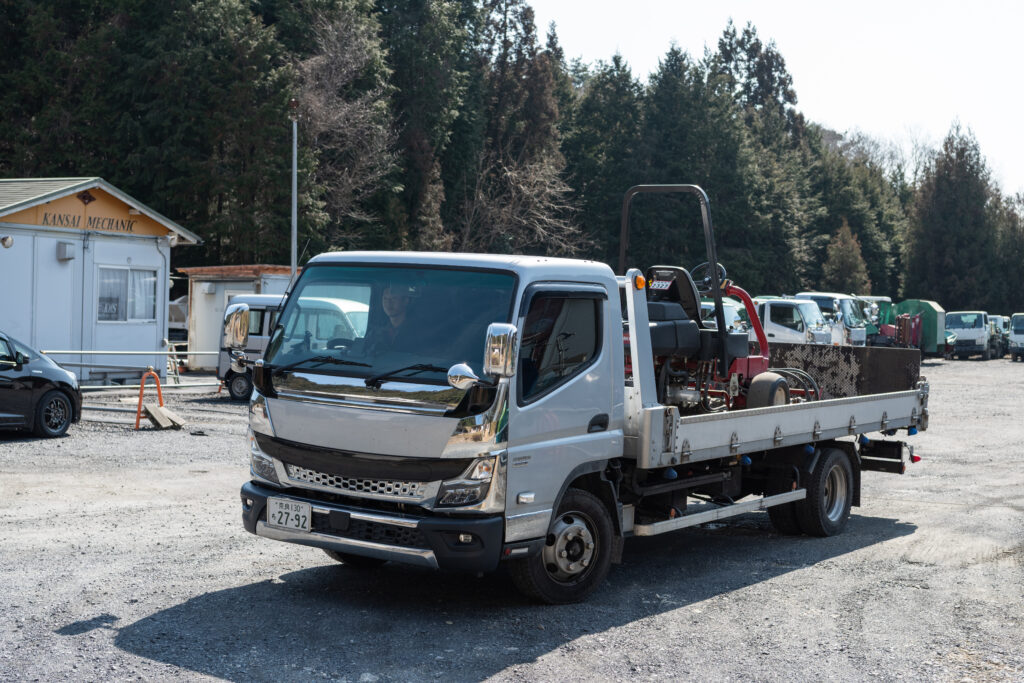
point(123, 557)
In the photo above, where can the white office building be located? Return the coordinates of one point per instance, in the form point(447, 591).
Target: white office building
point(84, 266)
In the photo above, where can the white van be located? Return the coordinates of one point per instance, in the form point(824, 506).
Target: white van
point(263, 311)
point(793, 321)
point(1017, 336)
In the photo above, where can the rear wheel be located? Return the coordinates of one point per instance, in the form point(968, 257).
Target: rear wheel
point(53, 414)
point(826, 509)
point(355, 561)
point(576, 556)
point(240, 386)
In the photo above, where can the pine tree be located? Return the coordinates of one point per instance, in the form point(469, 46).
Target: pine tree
point(951, 243)
point(601, 151)
point(844, 270)
point(424, 40)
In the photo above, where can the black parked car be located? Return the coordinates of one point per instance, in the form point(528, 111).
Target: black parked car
point(35, 392)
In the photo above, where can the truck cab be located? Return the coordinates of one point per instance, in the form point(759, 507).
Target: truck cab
point(974, 334)
point(735, 315)
point(1016, 343)
point(794, 321)
point(844, 312)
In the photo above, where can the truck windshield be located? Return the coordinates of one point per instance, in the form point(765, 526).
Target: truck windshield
point(811, 313)
point(1018, 324)
point(964, 321)
point(379, 319)
point(851, 313)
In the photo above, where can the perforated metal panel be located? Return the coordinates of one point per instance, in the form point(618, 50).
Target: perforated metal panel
point(379, 487)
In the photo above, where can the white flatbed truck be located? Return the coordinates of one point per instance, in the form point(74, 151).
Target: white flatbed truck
point(535, 411)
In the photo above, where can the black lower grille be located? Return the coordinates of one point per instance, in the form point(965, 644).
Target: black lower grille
point(376, 532)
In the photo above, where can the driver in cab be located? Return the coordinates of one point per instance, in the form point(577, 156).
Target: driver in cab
point(395, 332)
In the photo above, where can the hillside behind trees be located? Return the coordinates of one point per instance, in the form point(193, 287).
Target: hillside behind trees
point(459, 125)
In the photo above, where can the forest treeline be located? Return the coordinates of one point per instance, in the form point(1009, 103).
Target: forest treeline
point(460, 125)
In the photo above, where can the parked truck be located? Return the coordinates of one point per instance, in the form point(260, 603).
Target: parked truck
point(1016, 341)
point(796, 321)
point(975, 334)
point(537, 412)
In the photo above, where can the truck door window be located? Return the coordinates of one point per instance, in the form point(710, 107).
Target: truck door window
point(787, 316)
point(560, 339)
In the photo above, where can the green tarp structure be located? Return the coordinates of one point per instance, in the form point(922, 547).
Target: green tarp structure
point(933, 323)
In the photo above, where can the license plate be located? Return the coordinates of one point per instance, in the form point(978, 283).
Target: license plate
point(288, 514)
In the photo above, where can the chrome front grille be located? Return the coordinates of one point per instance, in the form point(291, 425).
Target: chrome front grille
point(406, 490)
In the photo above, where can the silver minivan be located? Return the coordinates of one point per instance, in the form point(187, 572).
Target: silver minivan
point(263, 312)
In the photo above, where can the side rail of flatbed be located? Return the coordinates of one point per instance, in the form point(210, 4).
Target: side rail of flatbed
point(665, 439)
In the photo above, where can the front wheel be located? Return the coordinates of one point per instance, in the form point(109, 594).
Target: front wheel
point(826, 509)
point(576, 556)
point(53, 414)
point(987, 353)
point(240, 386)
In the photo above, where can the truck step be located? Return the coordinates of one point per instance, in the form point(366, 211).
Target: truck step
point(702, 517)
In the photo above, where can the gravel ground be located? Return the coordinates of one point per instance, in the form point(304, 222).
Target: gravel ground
point(122, 557)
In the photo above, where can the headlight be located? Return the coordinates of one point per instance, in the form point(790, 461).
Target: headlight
point(259, 415)
point(261, 464)
point(471, 488)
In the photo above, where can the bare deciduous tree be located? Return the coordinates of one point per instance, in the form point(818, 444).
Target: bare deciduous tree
point(519, 206)
point(344, 109)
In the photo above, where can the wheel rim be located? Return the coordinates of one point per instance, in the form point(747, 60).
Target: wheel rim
point(835, 494)
point(571, 547)
point(780, 396)
point(239, 384)
point(55, 414)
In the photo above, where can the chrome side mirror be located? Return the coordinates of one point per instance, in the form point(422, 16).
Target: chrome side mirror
point(462, 377)
point(236, 327)
point(500, 350)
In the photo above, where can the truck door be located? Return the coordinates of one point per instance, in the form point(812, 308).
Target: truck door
point(787, 324)
point(565, 414)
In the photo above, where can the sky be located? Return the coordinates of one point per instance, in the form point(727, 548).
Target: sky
point(901, 71)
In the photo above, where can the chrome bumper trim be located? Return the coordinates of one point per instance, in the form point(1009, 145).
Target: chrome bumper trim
point(367, 516)
point(423, 558)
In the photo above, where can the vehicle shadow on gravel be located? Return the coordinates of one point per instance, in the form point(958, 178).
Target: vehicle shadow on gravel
point(404, 623)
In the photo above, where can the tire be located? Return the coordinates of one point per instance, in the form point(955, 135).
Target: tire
point(961, 356)
point(576, 556)
point(826, 509)
point(784, 519)
point(53, 414)
point(987, 353)
point(767, 389)
point(240, 386)
point(355, 561)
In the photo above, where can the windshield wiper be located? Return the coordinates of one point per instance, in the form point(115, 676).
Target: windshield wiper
point(317, 360)
point(375, 381)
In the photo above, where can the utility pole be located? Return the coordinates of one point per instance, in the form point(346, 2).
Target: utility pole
point(293, 107)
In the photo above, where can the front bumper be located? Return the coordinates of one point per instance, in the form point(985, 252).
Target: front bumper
point(969, 346)
point(424, 541)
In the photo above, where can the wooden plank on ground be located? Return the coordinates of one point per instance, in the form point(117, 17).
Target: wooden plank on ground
point(156, 415)
point(173, 417)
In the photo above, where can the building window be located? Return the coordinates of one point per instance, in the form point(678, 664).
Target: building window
point(126, 294)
